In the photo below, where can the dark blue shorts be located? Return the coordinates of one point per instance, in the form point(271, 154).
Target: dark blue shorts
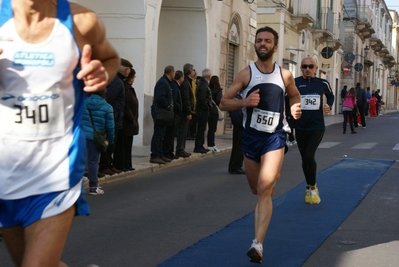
point(23, 212)
point(254, 146)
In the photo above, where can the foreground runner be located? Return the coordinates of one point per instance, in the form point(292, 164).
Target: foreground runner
point(46, 47)
point(263, 85)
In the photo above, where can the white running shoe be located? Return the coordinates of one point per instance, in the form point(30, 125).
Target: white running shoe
point(214, 149)
point(255, 252)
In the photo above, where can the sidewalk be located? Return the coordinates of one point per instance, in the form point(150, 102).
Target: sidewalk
point(141, 155)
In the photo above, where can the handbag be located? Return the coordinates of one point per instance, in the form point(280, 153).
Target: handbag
point(220, 112)
point(100, 137)
point(162, 117)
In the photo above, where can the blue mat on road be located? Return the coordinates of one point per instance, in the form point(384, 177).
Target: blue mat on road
point(297, 229)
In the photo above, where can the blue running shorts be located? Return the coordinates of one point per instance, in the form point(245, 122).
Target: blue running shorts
point(24, 212)
point(254, 146)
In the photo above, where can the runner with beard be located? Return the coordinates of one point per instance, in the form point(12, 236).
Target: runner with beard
point(262, 86)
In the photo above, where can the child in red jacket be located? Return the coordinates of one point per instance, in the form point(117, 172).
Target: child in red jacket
point(373, 106)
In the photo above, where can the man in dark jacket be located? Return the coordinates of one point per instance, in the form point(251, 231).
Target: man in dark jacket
point(163, 99)
point(187, 107)
point(116, 98)
point(361, 105)
point(169, 139)
point(203, 105)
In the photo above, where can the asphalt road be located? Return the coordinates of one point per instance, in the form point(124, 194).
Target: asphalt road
point(147, 219)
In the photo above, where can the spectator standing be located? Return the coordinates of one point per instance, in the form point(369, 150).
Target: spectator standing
point(116, 98)
point(361, 105)
point(368, 97)
point(163, 98)
point(236, 155)
point(168, 143)
point(263, 143)
point(193, 124)
point(347, 109)
point(310, 128)
point(42, 167)
point(203, 105)
point(187, 107)
point(97, 115)
point(213, 118)
point(130, 128)
point(378, 96)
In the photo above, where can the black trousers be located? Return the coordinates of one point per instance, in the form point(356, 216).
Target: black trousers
point(362, 117)
point(202, 120)
point(212, 127)
point(236, 156)
point(308, 141)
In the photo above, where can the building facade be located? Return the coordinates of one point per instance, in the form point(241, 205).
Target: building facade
point(155, 33)
point(307, 28)
point(369, 49)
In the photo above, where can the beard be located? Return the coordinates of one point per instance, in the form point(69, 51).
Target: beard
point(264, 57)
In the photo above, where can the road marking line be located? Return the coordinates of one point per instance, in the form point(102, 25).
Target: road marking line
point(364, 146)
point(328, 144)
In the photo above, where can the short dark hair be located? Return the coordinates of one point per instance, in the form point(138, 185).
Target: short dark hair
point(187, 69)
point(357, 84)
point(126, 63)
point(268, 29)
point(169, 69)
point(178, 74)
point(131, 74)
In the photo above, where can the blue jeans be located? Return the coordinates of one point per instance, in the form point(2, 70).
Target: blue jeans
point(93, 159)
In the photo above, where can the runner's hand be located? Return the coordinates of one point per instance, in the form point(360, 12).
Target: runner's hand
point(327, 109)
point(296, 111)
point(253, 99)
point(92, 72)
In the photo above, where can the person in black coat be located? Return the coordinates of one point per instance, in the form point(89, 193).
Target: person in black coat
point(116, 98)
point(123, 148)
point(187, 108)
point(163, 99)
point(213, 118)
point(169, 139)
point(203, 105)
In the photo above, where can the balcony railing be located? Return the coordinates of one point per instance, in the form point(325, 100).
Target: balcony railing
point(300, 9)
point(326, 20)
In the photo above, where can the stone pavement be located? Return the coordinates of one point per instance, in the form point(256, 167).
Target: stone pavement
point(141, 155)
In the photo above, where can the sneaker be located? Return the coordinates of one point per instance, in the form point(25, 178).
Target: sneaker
point(293, 142)
point(288, 143)
point(312, 196)
point(307, 196)
point(96, 191)
point(255, 252)
point(214, 149)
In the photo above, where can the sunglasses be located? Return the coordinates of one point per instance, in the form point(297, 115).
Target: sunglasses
point(304, 66)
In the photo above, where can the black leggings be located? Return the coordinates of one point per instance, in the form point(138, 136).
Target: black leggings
point(308, 141)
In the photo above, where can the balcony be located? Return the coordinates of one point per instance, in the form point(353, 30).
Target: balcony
point(302, 15)
point(376, 43)
point(339, 35)
point(324, 26)
point(364, 22)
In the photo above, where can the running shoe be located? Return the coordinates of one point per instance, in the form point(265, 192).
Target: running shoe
point(307, 196)
point(96, 191)
point(255, 252)
point(314, 196)
point(293, 142)
point(288, 143)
